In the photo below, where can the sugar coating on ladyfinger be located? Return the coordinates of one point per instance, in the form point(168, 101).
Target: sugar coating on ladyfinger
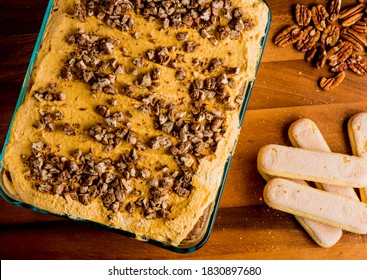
point(315, 204)
point(324, 235)
point(357, 130)
point(322, 167)
point(305, 134)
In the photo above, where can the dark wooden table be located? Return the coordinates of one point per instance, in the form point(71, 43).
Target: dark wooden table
point(285, 90)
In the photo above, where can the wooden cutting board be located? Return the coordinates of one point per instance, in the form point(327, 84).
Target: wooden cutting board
point(286, 89)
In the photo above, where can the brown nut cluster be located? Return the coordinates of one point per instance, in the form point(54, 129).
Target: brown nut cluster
point(200, 15)
point(331, 35)
point(50, 93)
point(83, 177)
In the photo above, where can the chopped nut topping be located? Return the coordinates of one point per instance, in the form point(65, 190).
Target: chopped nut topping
point(182, 36)
point(160, 141)
point(69, 129)
point(191, 46)
point(181, 74)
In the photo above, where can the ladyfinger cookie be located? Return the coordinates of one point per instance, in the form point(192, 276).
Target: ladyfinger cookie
point(322, 167)
point(324, 235)
point(315, 204)
point(357, 131)
point(304, 133)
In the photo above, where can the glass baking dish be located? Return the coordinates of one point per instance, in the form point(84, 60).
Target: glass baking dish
point(202, 229)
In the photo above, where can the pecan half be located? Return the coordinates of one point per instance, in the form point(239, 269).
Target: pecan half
point(288, 36)
point(332, 82)
point(357, 64)
point(334, 10)
point(358, 41)
point(339, 53)
point(330, 35)
point(302, 15)
point(308, 39)
point(351, 10)
point(360, 26)
point(319, 16)
point(352, 19)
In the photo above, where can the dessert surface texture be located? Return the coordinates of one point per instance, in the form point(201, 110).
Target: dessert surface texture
point(132, 111)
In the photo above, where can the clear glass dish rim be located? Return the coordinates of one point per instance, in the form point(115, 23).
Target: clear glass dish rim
point(214, 206)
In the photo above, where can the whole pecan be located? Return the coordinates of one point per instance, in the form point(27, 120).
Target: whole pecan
point(357, 64)
point(288, 36)
point(330, 35)
point(308, 39)
point(319, 16)
point(302, 15)
point(332, 82)
point(334, 10)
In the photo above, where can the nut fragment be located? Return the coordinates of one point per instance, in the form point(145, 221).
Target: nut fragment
point(319, 16)
point(180, 74)
point(332, 82)
point(288, 36)
point(303, 15)
point(182, 36)
point(191, 46)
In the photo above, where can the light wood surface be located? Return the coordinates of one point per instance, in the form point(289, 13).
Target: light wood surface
point(285, 90)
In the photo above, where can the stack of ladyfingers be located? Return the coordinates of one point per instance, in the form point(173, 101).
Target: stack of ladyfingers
point(333, 206)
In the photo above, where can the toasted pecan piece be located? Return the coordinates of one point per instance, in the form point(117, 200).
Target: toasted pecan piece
point(332, 82)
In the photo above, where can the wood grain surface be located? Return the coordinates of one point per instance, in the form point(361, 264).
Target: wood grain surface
point(285, 90)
